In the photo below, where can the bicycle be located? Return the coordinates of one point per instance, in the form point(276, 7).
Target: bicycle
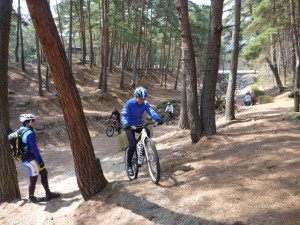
point(145, 149)
point(114, 126)
point(170, 118)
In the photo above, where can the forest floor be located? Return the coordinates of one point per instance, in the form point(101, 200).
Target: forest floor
point(248, 173)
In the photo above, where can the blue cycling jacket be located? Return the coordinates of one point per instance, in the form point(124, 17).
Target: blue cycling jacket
point(132, 113)
point(29, 139)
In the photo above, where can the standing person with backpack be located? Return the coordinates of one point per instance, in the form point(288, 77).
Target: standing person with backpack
point(32, 160)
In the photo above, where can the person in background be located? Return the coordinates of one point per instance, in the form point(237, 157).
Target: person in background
point(253, 98)
point(247, 99)
point(116, 115)
point(32, 159)
point(132, 115)
point(170, 110)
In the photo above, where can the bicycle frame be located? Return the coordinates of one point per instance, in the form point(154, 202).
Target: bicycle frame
point(150, 153)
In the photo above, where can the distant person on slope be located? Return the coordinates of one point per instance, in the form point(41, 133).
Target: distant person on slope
point(32, 159)
point(132, 115)
point(116, 114)
point(170, 110)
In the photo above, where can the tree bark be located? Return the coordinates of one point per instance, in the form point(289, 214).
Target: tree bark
point(296, 46)
point(38, 61)
point(17, 33)
point(190, 68)
point(138, 46)
point(21, 40)
point(230, 94)
point(70, 33)
point(212, 67)
point(88, 171)
point(9, 189)
point(82, 32)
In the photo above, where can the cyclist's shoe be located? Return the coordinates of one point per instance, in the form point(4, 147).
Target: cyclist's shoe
point(33, 199)
point(50, 195)
point(130, 170)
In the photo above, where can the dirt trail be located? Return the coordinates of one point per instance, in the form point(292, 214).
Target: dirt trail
point(246, 174)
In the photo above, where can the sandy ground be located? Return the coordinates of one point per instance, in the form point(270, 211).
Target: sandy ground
point(246, 174)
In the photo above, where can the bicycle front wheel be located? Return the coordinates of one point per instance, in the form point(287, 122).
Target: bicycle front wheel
point(110, 131)
point(152, 160)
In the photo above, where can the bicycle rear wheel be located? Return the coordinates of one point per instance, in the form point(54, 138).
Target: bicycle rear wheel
point(134, 165)
point(173, 119)
point(110, 131)
point(152, 160)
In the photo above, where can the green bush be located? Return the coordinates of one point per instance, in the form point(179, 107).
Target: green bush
point(258, 93)
point(254, 87)
point(263, 99)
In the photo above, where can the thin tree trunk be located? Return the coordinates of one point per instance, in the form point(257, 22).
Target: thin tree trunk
point(39, 73)
point(106, 44)
point(22, 45)
point(70, 33)
point(18, 33)
point(90, 33)
point(59, 24)
point(230, 94)
point(82, 32)
point(138, 46)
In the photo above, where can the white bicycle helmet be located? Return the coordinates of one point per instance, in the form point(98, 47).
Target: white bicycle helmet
point(25, 117)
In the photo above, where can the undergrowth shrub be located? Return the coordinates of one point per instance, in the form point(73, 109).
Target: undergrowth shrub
point(263, 99)
point(254, 87)
point(258, 93)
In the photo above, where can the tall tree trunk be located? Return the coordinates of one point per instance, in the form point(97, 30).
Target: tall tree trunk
point(89, 173)
point(17, 33)
point(183, 123)
point(47, 85)
point(59, 24)
point(230, 94)
point(106, 44)
point(22, 45)
point(91, 36)
point(70, 33)
point(296, 46)
point(212, 66)
point(177, 71)
point(190, 68)
point(122, 47)
point(138, 46)
point(9, 189)
point(38, 61)
point(82, 32)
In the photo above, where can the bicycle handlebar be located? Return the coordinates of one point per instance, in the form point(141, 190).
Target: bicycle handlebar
point(144, 125)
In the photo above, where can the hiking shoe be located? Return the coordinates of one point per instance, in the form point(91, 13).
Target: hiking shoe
point(33, 199)
point(50, 195)
point(130, 170)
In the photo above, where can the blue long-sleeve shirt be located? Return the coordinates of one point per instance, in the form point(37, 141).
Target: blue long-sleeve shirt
point(29, 138)
point(132, 112)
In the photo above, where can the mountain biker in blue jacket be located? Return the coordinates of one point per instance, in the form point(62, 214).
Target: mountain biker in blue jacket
point(132, 115)
point(32, 160)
